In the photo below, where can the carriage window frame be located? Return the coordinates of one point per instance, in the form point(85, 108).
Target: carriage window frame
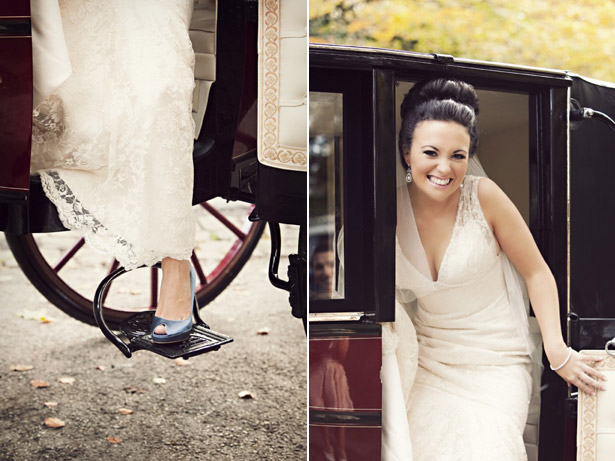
point(327, 158)
point(356, 189)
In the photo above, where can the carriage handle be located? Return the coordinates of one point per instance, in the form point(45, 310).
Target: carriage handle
point(607, 347)
point(582, 113)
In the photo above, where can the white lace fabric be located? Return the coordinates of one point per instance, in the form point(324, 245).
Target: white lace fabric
point(469, 399)
point(113, 143)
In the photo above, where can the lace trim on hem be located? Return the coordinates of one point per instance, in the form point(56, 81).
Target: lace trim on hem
point(75, 216)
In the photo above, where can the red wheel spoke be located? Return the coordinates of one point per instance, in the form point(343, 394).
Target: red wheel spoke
point(154, 288)
point(114, 266)
point(220, 217)
point(198, 269)
point(222, 265)
point(69, 255)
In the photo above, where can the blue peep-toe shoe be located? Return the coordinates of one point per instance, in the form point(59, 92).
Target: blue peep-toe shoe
point(176, 330)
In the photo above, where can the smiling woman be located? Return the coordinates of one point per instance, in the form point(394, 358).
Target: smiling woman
point(459, 241)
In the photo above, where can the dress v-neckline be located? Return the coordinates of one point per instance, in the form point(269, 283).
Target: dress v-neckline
point(446, 251)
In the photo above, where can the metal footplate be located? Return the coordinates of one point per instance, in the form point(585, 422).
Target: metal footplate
point(136, 330)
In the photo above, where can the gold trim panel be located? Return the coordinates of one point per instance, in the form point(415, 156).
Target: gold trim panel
point(270, 152)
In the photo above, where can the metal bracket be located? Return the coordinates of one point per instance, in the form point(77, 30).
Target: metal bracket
point(296, 284)
point(443, 58)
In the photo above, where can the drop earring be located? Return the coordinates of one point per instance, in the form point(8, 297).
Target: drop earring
point(408, 175)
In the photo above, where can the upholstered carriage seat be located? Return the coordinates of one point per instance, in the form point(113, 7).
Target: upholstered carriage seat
point(282, 85)
point(203, 37)
point(596, 415)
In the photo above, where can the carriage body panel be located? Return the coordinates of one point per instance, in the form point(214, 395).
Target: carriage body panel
point(528, 146)
point(15, 112)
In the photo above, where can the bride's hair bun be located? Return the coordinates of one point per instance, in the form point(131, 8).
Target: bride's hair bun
point(440, 99)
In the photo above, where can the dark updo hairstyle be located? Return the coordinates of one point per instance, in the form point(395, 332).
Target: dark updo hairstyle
point(441, 99)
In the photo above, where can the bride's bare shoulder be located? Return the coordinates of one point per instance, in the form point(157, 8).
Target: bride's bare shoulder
point(494, 202)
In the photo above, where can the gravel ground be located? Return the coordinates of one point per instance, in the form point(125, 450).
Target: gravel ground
point(180, 410)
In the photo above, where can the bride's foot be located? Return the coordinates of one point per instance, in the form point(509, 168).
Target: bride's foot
point(175, 302)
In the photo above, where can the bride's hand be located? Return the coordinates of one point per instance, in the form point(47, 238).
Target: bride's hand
point(578, 372)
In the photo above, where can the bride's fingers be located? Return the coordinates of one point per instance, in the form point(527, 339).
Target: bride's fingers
point(590, 358)
point(594, 373)
point(585, 382)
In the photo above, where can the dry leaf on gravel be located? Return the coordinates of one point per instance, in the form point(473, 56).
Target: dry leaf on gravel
point(39, 383)
point(101, 367)
point(55, 423)
point(125, 411)
point(180, 362)
point(114, 439)
point(263, 331)
point(134, 390)
point(33, 315)
point(245, 395)
point(50, 404)
point(159, 381)
point(66, 380)
point(21, 367)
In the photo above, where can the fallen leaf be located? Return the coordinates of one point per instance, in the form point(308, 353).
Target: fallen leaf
point(180, 362)
point(56, 423)
point(39, 383)
point(159, 380)
point(21, 367)
point(46, 320)
point(33, 315)
point(263, 331)
point(245, 395)
point(134, 390)
point(66, 380)
point(51, 404)
point(125, 411)
point(114, 439)
point(101, 367)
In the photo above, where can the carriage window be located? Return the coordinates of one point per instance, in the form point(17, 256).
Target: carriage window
point(326, 200)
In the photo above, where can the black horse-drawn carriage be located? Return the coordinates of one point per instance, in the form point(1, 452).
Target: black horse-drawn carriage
point(553, 159)
point(228, 166)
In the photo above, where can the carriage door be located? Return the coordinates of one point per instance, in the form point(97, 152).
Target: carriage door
point(592, 217)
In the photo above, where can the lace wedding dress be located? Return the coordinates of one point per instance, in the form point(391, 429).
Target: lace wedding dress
point(113, 142)
point(467, 397)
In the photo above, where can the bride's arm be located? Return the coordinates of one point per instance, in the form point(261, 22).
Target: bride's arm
point(515, 239)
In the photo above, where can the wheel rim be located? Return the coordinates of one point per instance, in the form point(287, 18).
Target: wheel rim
point(225, 235)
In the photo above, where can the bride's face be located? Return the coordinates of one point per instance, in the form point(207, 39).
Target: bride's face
point(438, 157)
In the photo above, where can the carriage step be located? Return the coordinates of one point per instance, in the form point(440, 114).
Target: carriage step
point(137, 330)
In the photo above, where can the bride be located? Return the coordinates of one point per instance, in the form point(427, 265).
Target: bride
point(113, 135)
point(458, 238)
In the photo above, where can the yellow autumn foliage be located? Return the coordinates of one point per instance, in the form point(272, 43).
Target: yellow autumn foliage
point(575, 35)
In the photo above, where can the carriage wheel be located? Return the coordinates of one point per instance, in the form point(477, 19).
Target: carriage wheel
point(67, 272)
